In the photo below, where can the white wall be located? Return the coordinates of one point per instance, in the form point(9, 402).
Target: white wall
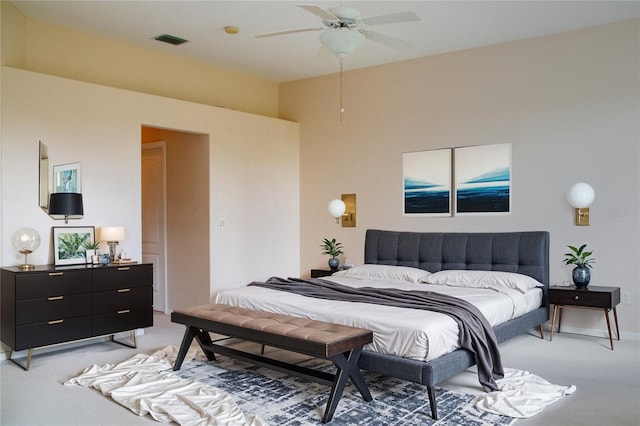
point(253, 176)
point(569, 104)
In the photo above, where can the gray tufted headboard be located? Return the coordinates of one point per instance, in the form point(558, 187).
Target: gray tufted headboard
point(522, 252)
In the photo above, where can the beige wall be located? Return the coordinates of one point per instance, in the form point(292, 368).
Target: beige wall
point(252, 171)
point(568, 104)
point(50, 49)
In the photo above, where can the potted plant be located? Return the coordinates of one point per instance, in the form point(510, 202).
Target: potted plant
point(90, 249)
point(333, 249)
point(580, 257)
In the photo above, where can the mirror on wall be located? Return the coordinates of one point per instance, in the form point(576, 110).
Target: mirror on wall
point(43, 187)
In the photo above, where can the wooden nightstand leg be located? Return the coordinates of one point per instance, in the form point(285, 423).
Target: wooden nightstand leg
point(606, 315)
point(615, 317)
point(553, 320)
point(559, 317)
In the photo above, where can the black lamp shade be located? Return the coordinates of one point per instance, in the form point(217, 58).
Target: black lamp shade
point(66, 205)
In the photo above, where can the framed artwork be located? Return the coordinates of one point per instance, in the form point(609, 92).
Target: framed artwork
point(483, 179)
point(67, 178)
point(68, 244)
point(427, 182)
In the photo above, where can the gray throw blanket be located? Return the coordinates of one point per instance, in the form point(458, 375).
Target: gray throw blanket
point(476, 334)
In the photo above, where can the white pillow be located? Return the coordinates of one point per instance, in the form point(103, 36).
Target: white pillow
point(496, 280)
point(404, 273)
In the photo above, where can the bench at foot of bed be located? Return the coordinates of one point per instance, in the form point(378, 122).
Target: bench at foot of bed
point(339, 343)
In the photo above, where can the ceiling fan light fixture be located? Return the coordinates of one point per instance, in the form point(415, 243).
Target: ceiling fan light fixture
point(342, 42)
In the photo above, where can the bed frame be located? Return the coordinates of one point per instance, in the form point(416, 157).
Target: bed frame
point(522, 252)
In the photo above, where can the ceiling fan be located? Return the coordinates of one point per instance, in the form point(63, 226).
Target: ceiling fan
point(345, 29)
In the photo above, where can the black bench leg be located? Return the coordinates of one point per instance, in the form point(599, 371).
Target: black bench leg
point(202, 337)
point(184, 348)
point(347, 367)
point(432, 402)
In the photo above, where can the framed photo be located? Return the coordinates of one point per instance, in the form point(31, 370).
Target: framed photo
point(68, 243)
point(426, 177)
point(67, 178)
point(483, 179)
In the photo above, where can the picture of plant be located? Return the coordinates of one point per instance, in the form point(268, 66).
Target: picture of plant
point(69, 244)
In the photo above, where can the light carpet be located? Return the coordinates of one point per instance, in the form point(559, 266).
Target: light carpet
point(231, 392)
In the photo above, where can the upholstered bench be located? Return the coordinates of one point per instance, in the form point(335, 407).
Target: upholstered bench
point(339, 343)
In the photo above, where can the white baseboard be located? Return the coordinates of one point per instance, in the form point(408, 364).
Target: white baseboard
point(4, 353)
point(593, 332)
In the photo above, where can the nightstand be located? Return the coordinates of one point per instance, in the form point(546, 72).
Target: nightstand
point(591, 297)
point(318, 273)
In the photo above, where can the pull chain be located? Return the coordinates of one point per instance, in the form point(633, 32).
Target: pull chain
point(341, 103)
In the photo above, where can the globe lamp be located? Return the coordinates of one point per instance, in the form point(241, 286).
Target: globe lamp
point(26, 241)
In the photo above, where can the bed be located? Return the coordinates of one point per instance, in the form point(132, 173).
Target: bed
point(440, 256)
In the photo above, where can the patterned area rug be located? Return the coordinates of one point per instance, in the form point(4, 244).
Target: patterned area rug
point(284, 400)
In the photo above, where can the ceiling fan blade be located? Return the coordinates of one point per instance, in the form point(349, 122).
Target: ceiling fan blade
point(318, 11)
point(391, 18)
point(279, 33)
point(388, 41)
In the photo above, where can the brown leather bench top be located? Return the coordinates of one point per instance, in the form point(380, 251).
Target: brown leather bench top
point(288, 332)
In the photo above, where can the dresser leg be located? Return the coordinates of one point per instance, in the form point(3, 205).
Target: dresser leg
point(28, 364)
point(615, 317)
point(129, 345)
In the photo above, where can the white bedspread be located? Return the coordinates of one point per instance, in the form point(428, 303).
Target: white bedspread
point(521, 394)
point(409, 333)
point(139, 385)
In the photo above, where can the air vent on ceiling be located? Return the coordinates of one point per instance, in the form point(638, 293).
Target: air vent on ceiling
point(168, 38)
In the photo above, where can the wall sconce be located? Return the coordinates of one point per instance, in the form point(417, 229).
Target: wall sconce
point(112, 235)
point(66, 205)
point(344, 208)
point(580, 196)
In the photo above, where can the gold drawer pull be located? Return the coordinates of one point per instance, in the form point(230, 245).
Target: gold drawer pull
point(56, 298)
point(124, 268)
point(56, 274)
point(126, 311)
point(123, 290)
point(577, 297)
point(56, 322)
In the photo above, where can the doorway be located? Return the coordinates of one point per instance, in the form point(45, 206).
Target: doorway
point(184, 182)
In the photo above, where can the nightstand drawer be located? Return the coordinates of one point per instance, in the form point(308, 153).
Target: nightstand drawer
point(598, 300)
point(113, 278)
point(318, 273)
point(52, 308)
point(54, 283)
point(594, 296)
point(123, 298)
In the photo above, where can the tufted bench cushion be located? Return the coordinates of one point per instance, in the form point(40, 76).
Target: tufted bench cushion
point(316, 338)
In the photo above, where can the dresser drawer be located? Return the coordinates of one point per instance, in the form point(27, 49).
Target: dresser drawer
point(124, 298)
point(47, 333)
point(53, 283)
point(113, 278)
point(52, 308)
point(123, 320)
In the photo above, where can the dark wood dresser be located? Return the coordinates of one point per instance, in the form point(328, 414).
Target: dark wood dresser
point(50, 305)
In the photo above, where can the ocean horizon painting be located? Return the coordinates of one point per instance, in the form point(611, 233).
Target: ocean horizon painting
point(427, 182)
point(483, 179)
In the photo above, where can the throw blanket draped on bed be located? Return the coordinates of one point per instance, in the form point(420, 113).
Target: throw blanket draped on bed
point(476, 334)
